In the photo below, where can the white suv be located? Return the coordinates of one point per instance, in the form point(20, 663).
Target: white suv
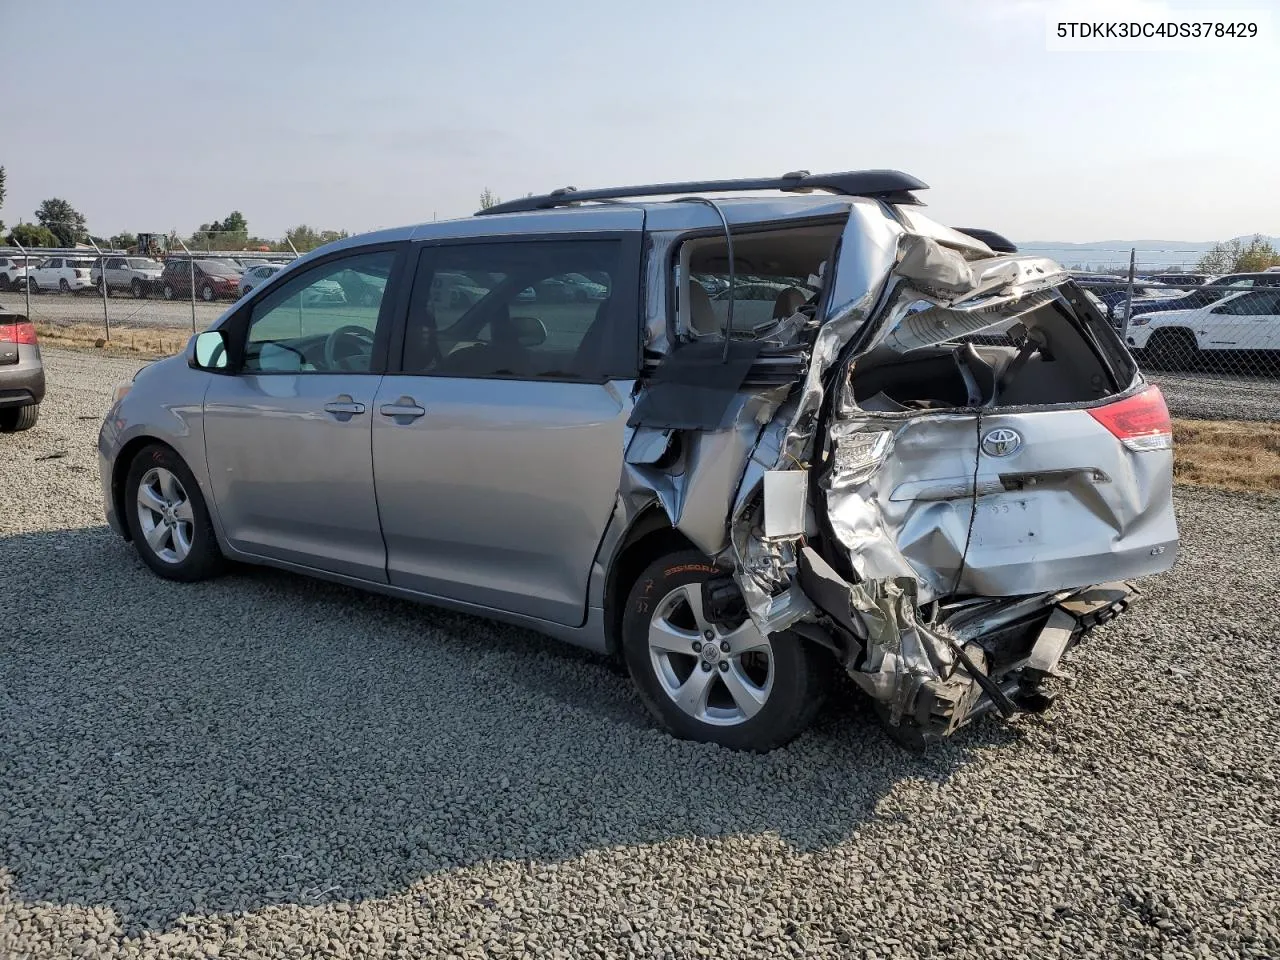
point(13, 273)
point(62, 273)
point(139, 275)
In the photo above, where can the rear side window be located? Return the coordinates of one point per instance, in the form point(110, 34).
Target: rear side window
point(544, 309)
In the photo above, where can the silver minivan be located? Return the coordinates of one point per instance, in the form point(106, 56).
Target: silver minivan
point(921, 460)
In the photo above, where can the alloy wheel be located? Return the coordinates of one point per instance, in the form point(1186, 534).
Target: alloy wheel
point(716, 675)
point(165, 515)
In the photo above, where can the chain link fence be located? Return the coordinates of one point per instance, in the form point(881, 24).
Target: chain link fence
point(1212, 343)
point(148, 300)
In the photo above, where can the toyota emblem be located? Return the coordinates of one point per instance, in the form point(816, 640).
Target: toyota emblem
point(1001, 442)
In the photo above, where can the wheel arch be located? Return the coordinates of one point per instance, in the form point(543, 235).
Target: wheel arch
point(649, 536)
point(120, 472)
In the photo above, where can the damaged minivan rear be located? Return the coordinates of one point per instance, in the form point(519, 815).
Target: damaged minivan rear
point(750, 436)
point(963, 476)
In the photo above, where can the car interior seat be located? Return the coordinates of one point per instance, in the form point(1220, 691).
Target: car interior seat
point(702, 315)
point(788, 302)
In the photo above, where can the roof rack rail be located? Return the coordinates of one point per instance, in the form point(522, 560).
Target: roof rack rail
point(892, 186)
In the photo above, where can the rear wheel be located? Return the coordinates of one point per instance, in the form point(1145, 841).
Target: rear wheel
point(168, 291)
point(715, 683)
point(1172, 350)
point(5, 284)
point(168, 519)
point(206, 293)
point(19, 418)
point(64, 286)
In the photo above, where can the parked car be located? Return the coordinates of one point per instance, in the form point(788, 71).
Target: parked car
point(13, 273)
point(1205, 295)
point(21, 373)
point(1180, 279)
point(213, 280)
point(139, 275)
point(65, 274)
point(1173, 339)
point(856, 491)
point(255, 275)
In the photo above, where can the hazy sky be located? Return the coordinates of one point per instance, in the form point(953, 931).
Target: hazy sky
point(161, 115)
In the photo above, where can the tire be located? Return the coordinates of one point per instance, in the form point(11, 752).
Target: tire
point(5, 284)
point(138, 289)
point(188, 550)
point(207, 293)
point(64, 286)
point(1172, 350)
point(16, 419)
point(782, 678)
point(168, 291)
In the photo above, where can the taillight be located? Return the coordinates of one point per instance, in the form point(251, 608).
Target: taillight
point(1140, 422)
point(24, 332)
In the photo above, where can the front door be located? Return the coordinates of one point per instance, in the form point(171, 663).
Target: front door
point(287, 436)
point(497, 449)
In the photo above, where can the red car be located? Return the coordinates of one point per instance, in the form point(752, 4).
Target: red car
point(213, 280)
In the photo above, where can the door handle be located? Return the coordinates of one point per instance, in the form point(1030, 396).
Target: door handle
point(344, 407)
point(405, 407)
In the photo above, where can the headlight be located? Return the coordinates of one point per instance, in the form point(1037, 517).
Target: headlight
point(1141, 320)
point(121, 388)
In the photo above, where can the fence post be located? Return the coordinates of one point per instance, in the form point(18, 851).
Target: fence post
point(1128, 300)
point(102, 279)
point(293, 248)
point(191, 265)
point(26, 284)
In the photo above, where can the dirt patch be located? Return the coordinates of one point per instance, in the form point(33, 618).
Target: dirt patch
point(1227, 454)
point(145, 344)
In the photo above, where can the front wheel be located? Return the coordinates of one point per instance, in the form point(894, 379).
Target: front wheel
point(168, 291)
point(723, 683)
point(137, 289)
point(206, 293)
point(167, 517)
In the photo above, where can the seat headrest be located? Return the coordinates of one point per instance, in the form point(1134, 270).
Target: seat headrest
point(788, 302)
point(702, 315)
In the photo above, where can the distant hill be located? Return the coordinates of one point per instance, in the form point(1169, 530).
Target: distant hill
point(1114, 254)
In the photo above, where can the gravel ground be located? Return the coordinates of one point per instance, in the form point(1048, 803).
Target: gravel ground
point(267, 766)
point(1205, 396)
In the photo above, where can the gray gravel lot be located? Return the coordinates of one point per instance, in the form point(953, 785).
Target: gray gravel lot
point(268, 766)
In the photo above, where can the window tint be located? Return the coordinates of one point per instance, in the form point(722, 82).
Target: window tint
point(544, 309)
point(1262, 303)
point(321, 321)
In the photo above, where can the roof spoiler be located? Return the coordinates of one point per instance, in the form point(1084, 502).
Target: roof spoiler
point(992, 239)
point(891, 186)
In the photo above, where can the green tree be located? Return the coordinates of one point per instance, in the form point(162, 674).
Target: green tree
point(63, 220)
point(489, 199)
point(306, 238)
point(33, 235)
point(1236, 256)
point(229, 234)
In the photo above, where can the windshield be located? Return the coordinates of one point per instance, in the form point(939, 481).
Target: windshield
point(216, 269)
point(142, 263)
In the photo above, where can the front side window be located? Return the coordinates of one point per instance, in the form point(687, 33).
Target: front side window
point(528, 310)
point(321, 321)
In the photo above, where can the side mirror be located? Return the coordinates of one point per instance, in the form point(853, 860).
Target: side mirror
point(529, 331)
point(208, 351)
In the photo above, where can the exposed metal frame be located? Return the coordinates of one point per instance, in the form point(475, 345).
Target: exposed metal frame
point(891, 186)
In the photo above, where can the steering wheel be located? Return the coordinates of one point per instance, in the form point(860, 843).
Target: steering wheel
point(331, 359)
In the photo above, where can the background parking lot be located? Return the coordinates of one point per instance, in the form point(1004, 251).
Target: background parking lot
point(265, 765)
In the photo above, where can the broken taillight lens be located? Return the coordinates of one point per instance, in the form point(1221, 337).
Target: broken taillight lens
point(857, 455)
point(24, 332)
point(1140, 422)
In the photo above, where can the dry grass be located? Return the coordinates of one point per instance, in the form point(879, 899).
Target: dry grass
point(145, 344)
point(1227, 454)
